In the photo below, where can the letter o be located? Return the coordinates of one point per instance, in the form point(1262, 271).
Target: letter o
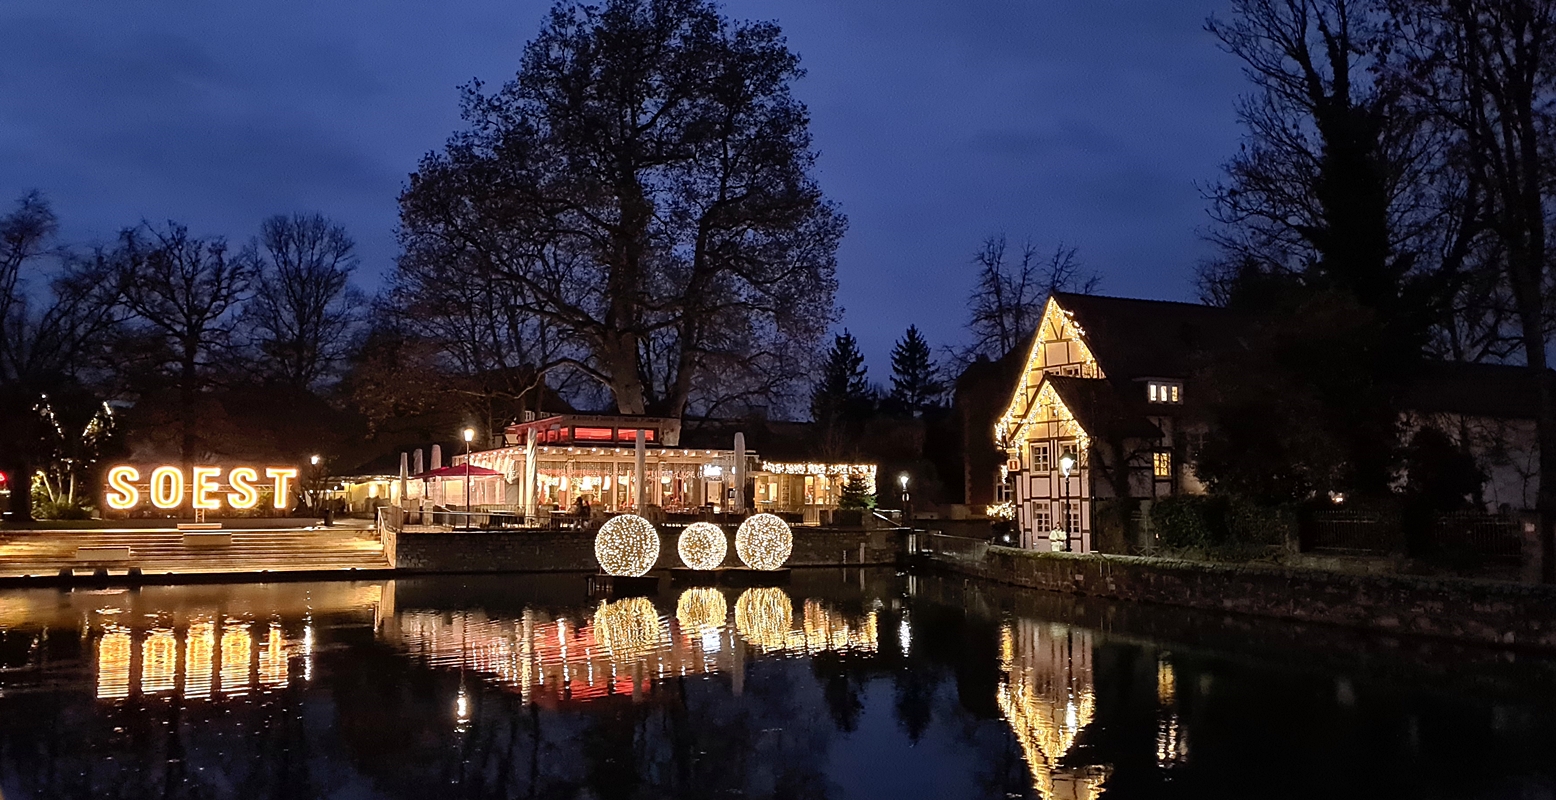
point(167, 487)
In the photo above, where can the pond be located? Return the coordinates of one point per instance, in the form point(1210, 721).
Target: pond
point(843, 684)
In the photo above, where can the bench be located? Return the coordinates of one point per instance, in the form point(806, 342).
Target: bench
point(106, 553)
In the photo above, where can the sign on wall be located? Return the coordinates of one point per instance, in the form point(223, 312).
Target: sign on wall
point(203, 488)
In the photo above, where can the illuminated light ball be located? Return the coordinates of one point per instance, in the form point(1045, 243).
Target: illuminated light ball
point(700, 611)
point(703, 546)
point(764, 617)
point(628, 628)
point(627, 545)
point(764, 542)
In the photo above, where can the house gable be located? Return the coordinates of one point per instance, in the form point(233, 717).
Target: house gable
point(1059, 347)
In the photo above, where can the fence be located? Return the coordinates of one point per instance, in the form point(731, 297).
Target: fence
point(1492, 537)
point(959, 548)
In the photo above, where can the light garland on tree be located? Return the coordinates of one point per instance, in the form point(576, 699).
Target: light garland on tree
point(701, 611)
point(764, 617)
point(764, 542)
point(703, 546)
point(627, 545)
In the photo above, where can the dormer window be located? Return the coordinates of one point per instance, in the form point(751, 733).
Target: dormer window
point(1164, 391)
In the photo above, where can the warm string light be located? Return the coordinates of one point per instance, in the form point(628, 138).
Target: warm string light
point(764, 542)
point(764, 616)
point(701, 610)
point(627, 545)
point(628, 629)
point(703, 546)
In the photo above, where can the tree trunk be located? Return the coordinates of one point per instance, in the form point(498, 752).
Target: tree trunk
point(19, 473)
point(620, 358)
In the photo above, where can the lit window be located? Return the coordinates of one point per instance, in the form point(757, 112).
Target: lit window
point(1161, 465)
point(1160, 392)
point(1040, 462)
point(593, 434)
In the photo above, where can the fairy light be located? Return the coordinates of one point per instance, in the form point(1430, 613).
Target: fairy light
point(701, 610)
point(703, 546)
point(764, 616)
point(764, 542)
point(628, 628)
point(627, 545)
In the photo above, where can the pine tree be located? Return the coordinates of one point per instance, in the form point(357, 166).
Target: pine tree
point(856, 493)
point(843, 394)
point(914, 383)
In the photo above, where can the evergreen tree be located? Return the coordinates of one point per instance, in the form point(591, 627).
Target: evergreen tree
point(856, 493)
point(915, 385)
point(843, 394)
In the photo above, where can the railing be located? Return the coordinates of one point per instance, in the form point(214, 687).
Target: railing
point(1493, 537)
point(958, 548)
point(1352, 532)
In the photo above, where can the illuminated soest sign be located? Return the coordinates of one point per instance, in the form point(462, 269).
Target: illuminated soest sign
point(167, 487)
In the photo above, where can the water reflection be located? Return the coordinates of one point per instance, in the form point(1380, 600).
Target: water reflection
point(1047, 693)
point(507, 688)
point(624, 645)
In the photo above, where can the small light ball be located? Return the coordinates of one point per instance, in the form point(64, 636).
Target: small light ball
point(627, 545)
point(764, 542)
point(628, 628)
point(764, 617)
point(700, 611)
point(703, 546)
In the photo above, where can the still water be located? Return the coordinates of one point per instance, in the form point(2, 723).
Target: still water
point(844, 684)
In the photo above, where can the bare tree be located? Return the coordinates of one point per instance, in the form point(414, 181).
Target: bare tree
point(183, 294)
point(303, 310)
point(1006, 303)
point(42, 350)
point(1487, 68)
point(645, 187)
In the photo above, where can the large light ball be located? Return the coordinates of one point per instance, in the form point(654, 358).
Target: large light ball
point(701, 611)
point(628, 628)
point(764, 542)
point(764, 617)
point(703, 546)
point(627, 545)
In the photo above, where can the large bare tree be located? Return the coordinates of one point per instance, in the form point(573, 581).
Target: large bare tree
point(183, 294)
point(1006, 303)
point(644, 187)
point(303, 309)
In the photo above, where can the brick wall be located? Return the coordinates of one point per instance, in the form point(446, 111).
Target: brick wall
point(505, 551)
point(1481, 611)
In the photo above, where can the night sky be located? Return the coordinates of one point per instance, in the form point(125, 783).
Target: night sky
point(939, 122)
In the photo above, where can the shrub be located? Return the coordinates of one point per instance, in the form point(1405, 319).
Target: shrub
point(1181, 521)
point(1226, 527)
point(49, 509)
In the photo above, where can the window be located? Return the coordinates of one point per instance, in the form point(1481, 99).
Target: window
point(1042, 521)
point(1164, 392)
point(1072, 517)
point(1161, 464)
point(1040, 462)
point(1002, 490)
point(593, 434)
point(631, 435)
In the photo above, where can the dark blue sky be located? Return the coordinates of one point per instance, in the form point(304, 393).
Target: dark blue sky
point(939, 122)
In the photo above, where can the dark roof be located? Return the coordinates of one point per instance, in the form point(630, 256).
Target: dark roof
point(1503, 391)
point(1100, 409)
point(1134, 339)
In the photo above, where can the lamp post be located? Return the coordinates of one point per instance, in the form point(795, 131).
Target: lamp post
point(1066, 463)
point(315, 484)
point(907, 505)
point(469, 437)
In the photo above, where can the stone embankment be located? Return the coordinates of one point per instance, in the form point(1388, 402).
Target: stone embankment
point(1489, 612)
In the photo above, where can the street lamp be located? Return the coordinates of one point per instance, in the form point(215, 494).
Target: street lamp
point(315, 488)
point(1066, 463)
point(469, 437)
point(907, 511)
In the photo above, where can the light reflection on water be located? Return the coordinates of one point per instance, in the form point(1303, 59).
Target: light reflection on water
point(822, 689)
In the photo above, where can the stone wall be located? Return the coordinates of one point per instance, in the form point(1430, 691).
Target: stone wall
point(1481, 611)
point(567, 551)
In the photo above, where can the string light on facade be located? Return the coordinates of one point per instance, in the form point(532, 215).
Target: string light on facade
point(703, 546)
point(764, 542)
point(627, 545)
point(764, 616)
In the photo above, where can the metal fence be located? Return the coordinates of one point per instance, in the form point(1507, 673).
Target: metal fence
point(1352, 532)
point(1492, 537)
point(959, 548)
